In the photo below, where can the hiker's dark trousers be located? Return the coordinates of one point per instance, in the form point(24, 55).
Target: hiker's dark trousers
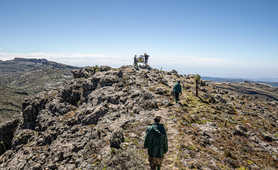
point(177, 95)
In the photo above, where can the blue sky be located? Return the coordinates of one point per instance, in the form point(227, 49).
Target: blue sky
point(223, 38)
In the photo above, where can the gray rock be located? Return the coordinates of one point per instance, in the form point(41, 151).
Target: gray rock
point(71, 95)
point(56, 107)
point(37, 167)
point(93, 118)
point(6, 134)
point(161, 91)
point(267, 137)
point(220, 99)
point(80, 73)
point(116, 139)
point(240, 131)
point(22, 137)
point(108, 80)
point(30, 110)
point(173, 72)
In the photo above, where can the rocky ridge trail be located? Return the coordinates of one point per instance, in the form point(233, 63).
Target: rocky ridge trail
point(98, 120)
point(171, 158)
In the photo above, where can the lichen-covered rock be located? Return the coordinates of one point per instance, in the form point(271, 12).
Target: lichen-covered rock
point(93, 117)
point(79, 73)
point(116, 139)
point(57, 108)
point(219, 99)
point(72, 95)
point(240, 130)
point(161, 91)
point(173, 72)
point(23, 137)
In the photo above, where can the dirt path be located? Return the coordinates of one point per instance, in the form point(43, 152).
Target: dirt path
point(173, 140)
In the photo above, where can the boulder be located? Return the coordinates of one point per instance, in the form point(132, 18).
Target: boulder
point(79, 73)
point(240, 131)
point(116, 139)
point(71, 95)
point(108, 80)
point(30, 110)
point(93, 117)
point(220, 99)
point(22, 137)
point(161, 91)
point(173, 72)
point(58, 108)
point(7, 131)
point(268, 137)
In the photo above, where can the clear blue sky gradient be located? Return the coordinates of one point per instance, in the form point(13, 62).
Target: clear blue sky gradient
point(241, 36)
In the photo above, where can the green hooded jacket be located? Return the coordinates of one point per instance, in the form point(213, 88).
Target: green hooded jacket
point(156, 140)
point(177, 88)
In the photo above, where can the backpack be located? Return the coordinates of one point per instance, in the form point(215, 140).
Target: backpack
point(177, 88)
point(157, 136)
point(156, 141)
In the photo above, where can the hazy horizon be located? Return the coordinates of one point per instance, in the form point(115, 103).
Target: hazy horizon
point(179, 69)
point(216, 38)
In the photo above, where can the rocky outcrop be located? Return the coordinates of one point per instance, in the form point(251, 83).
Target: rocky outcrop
point(7, 131)
point(116, 139)
point(30, 110)
point(70, 127)
point(89, 71)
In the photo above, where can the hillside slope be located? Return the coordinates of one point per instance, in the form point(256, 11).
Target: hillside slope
point(98, 121)
point(22, 77)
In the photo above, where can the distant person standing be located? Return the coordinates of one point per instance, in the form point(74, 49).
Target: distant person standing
point(177, 91)
point(157, 143)
point(135, 62)
point(146, 58)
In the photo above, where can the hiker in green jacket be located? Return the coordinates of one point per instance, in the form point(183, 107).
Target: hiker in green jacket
point(177, 91)
point(157, 143)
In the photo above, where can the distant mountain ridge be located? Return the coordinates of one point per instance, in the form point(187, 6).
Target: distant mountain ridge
point(26, 64)
point(233, 80)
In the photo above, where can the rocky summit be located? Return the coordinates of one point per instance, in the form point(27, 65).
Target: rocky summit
point(98, 120)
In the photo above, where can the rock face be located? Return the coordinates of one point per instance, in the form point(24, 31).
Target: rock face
point(71, 129)
point(7, 131)
point(98, 120)
point(30, 111)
